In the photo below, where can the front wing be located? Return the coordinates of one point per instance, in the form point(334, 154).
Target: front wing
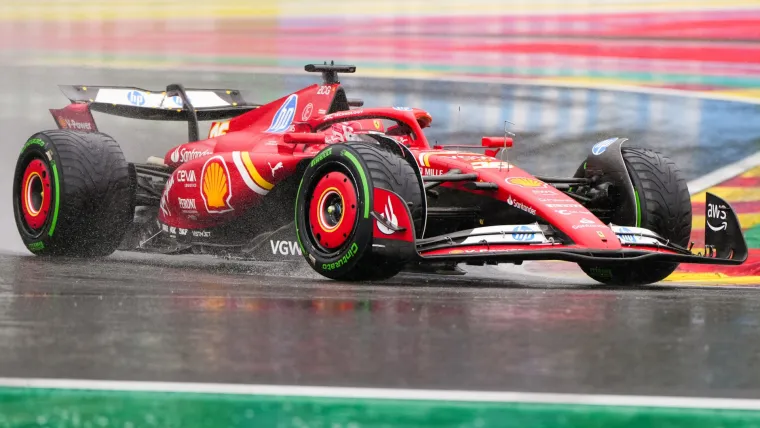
point(724, 243)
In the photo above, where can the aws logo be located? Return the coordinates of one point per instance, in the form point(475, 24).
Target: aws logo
point(216, 190)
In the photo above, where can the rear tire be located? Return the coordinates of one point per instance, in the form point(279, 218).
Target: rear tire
point(350, 257)
point(72, 194)
point(665, 208)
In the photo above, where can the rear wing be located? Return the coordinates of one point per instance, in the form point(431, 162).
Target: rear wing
point(173, 104)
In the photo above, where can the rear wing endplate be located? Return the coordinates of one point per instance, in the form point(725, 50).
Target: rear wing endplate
point(173, 104)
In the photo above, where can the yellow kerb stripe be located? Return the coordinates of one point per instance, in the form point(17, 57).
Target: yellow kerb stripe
point(732, 194)
point(255, 174)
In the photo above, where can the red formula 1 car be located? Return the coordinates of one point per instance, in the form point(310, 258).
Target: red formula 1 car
point(358, 192)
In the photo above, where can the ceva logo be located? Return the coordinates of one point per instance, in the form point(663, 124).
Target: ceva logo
point(284, 116)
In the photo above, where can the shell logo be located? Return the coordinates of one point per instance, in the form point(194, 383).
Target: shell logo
point(525, 182)
point(62, 122)
point(216, 190)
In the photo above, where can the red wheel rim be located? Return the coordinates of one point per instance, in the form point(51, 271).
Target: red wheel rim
point(35, 194)
point(332, 210)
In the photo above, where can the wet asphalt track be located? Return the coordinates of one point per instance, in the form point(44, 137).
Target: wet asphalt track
point(133, 317)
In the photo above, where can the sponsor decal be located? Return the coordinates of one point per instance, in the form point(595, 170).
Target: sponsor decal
point(586, 221)
point(601, 147)
point(177, 100)
point(164, 204)
point(218, 129)
point(165, 228)
point(552, 199)
point(322, 111)
point(73, 124)
point(717, 212)
point(182, 154)
point(490, 165)
point(431, 171)
point(324, 90)
point(186, 176)
point(423, 158)
point(187, 204)
point(544, 192)
point(521, 206)
point(626, 235)
point(136, 98)
point(33, 141)
point(377, 124)
point(201, 234)
point(283, 118)
point(36, 246)
point(569, 212)
point(402, 108)
point(564, 205)
point(344, 114)
point(307, 111)
point(601, 272)
point(285, 248)
point(523, 236)
point(601, 234)
point(216, 191)
point(250, 175)
point(181, 231)
point(343, 260)
point(525, 182)
point(274, 168)
point(173, 230)
point(588, 226)
point(390, 216)
point(481, 250)
point(320, 157)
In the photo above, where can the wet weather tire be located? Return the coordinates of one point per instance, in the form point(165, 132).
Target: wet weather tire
point(335, 196)
point(72, 194)
point(665, 208)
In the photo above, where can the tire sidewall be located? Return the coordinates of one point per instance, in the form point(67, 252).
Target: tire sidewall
point(40, 147)
point(359, 243)
point(636, 272)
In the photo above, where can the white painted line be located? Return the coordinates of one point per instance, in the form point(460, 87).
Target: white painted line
point(386, 393)
point(720, 175)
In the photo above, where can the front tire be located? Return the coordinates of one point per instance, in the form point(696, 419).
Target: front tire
point(72, 194)
point(664, 207)
point(333, 224)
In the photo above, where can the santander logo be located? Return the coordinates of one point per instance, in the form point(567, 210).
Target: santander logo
point(182, 154)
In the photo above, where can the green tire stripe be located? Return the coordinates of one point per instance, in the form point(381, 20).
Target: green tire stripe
point(363, 175)
point(638, 208)
point(57, 199)
point(298, 236)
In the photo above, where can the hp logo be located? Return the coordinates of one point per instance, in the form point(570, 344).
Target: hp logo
point(523, 236)
point(284, 116)
point(136, 98)
point(626, 235)
point(601, 147)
